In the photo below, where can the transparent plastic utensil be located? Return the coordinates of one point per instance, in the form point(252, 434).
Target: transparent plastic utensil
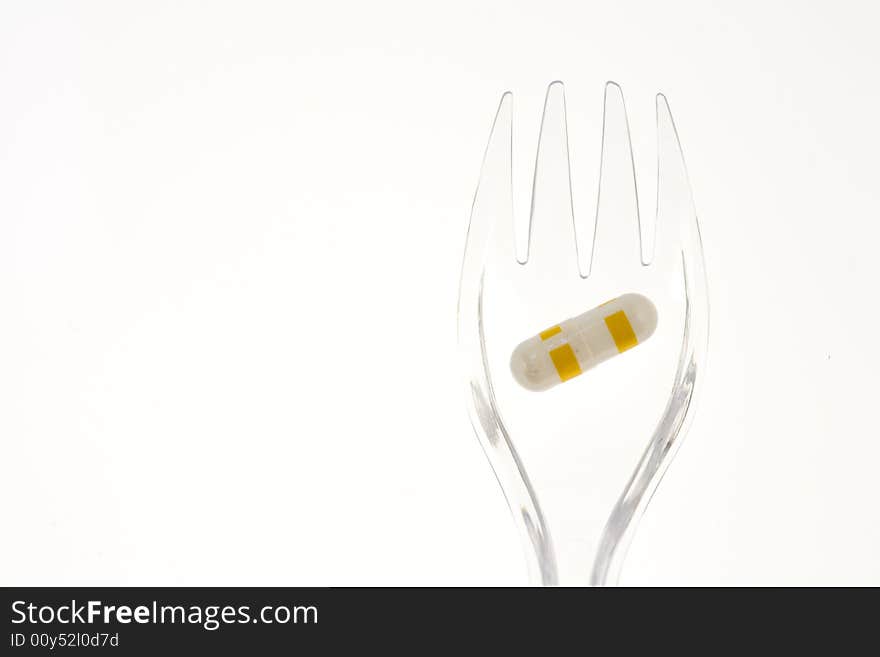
point(582, 451)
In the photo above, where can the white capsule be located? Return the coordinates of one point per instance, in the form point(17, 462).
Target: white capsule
point(570, 348)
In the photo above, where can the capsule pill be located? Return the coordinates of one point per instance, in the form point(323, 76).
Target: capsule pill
point(576, 345)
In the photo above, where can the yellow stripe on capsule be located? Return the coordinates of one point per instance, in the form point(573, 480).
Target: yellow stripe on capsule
point(565, 362)
point(621, 330)
point(550, 332)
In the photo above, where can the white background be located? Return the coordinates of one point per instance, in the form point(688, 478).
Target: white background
point(230, 239)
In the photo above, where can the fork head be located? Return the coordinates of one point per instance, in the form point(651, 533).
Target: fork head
point(586, 453)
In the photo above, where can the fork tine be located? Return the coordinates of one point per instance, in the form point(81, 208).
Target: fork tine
point(676, 217)
point(492, 210)
point(551, 205)
point(617, 206)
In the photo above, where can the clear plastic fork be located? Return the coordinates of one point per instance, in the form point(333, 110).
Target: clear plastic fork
point(574, 465)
